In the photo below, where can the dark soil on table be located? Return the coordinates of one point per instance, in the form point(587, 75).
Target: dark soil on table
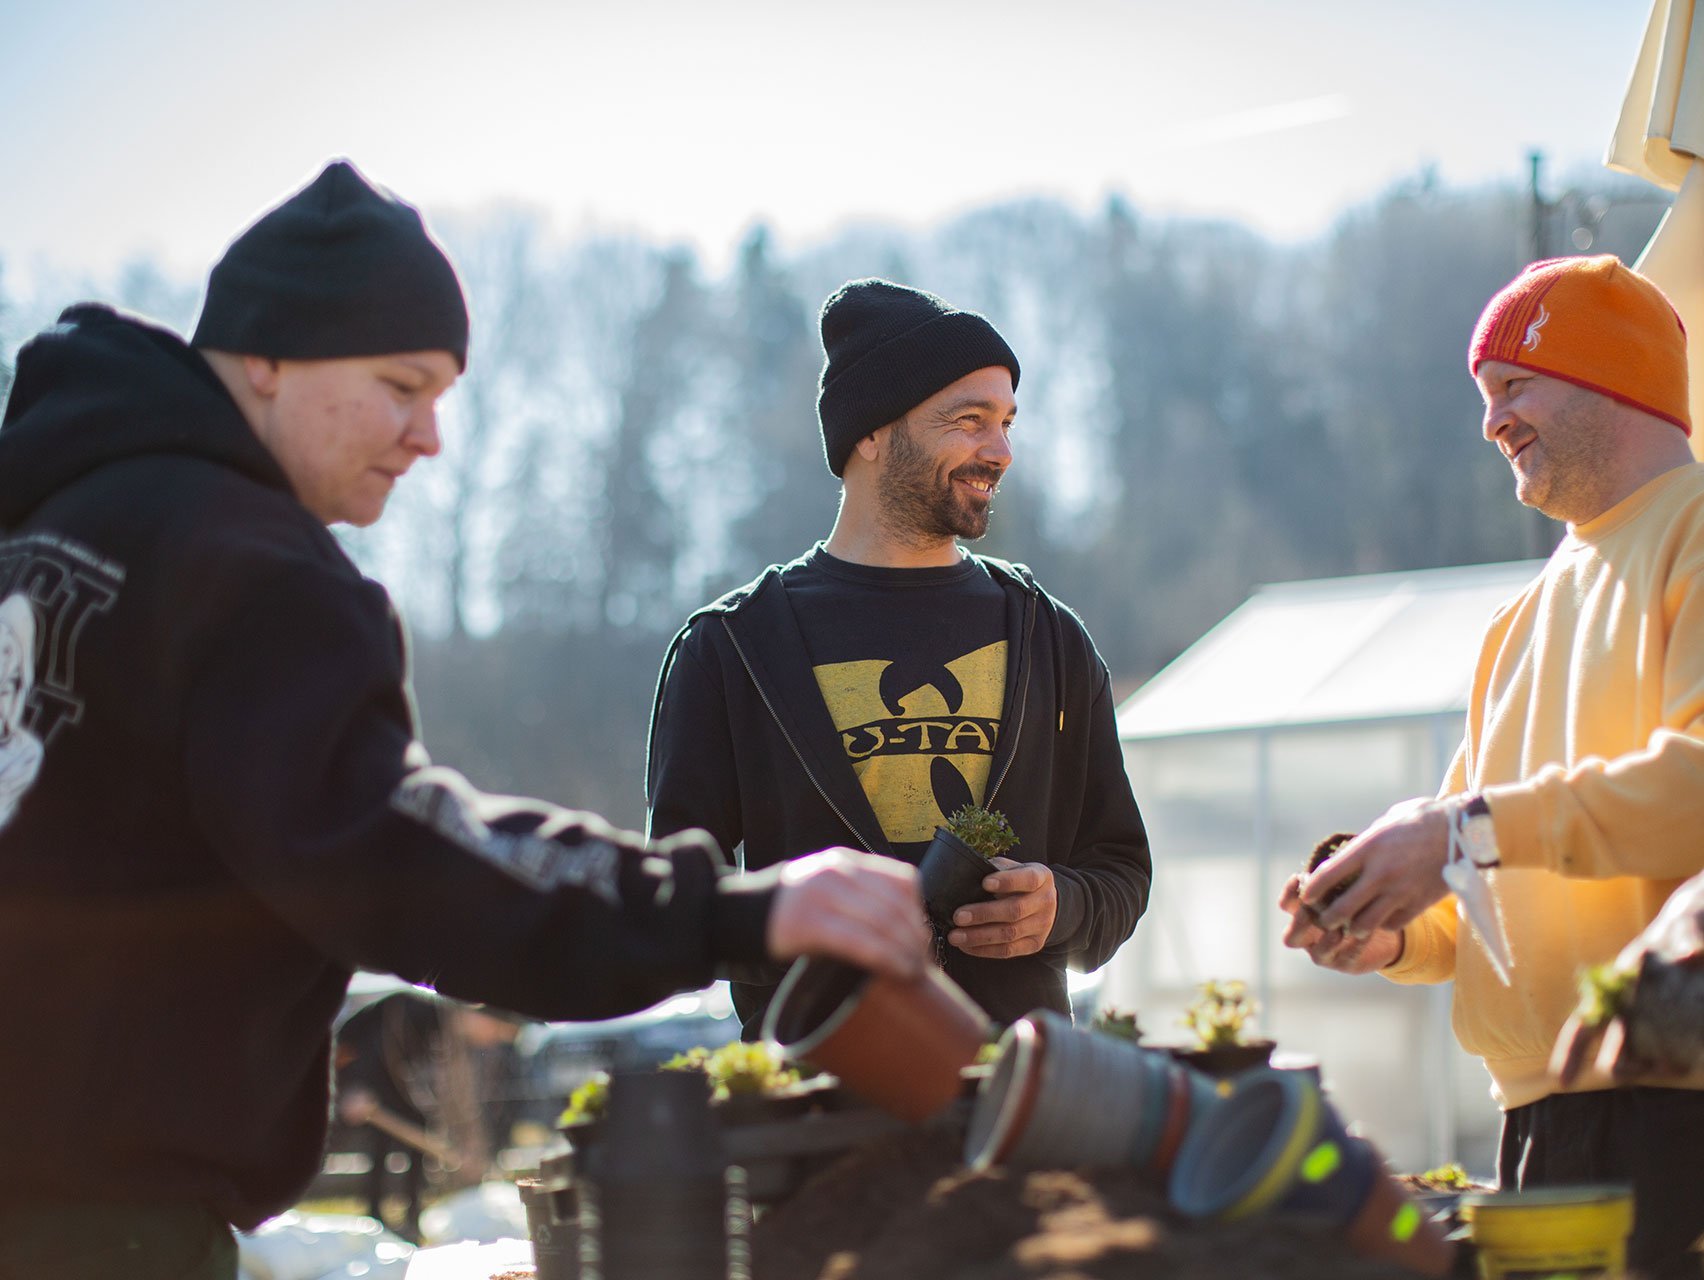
point(904, 1208)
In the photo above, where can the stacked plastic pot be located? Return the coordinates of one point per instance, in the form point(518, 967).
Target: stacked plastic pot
point(653, 1196)
point(1266, 1142)
point(1276, 1145)
point(1061, 1097)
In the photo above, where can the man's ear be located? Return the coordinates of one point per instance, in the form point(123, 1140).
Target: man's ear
point(261, 372)
point(871, 446)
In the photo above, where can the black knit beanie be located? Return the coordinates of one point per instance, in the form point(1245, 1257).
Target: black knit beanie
point(887, 349)
point(341, 268)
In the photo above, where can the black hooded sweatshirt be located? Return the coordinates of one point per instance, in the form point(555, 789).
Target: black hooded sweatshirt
point(743, 745)
point(213, 808)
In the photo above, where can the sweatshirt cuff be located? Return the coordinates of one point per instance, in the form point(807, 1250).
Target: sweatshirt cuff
point(1427, 955)
point(1070, 905)
point(1517, 816)
point(739, 917)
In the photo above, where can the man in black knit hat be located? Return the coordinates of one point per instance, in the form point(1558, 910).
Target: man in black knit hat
point(866, 691)
point(225, 810)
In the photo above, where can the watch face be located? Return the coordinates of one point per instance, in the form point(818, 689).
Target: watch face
point(1479, 840)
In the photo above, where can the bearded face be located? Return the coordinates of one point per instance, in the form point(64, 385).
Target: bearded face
point(924, 498)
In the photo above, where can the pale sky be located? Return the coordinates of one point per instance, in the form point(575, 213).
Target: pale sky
point(162, 128)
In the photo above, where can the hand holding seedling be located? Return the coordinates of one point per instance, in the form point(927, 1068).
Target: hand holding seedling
point(1335, 948)
point(1641, 1016)
point(1019, 919)
point(1397, 866)
point(851, 906)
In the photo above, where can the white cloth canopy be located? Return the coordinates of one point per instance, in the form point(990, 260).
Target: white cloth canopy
point(1660, 138)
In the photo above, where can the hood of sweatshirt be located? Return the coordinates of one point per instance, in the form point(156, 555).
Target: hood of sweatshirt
point(101, 386)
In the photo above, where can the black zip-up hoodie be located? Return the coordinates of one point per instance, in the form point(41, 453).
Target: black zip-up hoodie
point(743, 746)
point(214, 807)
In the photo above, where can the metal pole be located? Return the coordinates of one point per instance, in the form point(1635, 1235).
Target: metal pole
point(1544, 534)
point(1536, 208)
point(1263, 939)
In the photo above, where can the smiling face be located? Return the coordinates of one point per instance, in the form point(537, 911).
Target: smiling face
point(1559, 439)
point(344, 431)
point(944, 460)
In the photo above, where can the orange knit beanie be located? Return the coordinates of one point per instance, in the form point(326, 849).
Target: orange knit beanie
point(1595, 323)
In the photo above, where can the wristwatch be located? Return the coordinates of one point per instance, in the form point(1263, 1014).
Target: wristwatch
point(1478, 834)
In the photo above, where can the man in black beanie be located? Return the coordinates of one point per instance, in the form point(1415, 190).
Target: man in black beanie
point(868, 690)
point(226, 811)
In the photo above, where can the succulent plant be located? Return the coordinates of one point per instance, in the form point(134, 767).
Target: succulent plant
point(1604, 993)
point(1446, 1177)
point(737, 1069)
point(1220, 1017)
point(1119, 1024)
point(587, 1102)
point(985, 830)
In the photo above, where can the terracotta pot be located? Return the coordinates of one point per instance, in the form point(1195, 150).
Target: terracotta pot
point(1276, 1145)
point(950, 874)
point(1061, 1096)
point(897, 1044)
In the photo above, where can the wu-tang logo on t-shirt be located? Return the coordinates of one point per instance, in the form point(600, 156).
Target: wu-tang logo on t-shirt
point(920, 735)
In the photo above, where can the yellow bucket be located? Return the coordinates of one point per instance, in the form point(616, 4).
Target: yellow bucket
point(1550, 1231)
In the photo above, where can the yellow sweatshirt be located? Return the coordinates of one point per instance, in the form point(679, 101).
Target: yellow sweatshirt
point(1585, 731)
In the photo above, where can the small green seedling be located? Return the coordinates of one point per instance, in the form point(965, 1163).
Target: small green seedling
point(737, 1069)
point(1446, 1177)
point(587, 1102)
point(985, 830)
point(1605, 993)
point(1220, 1018)
point(1118, 1024)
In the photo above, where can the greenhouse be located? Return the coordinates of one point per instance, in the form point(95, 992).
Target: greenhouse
point(1309, 710)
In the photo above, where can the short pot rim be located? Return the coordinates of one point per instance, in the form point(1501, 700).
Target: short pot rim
point(1026, 1040)
point(806, 970)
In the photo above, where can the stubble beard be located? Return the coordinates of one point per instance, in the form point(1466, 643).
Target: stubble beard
point(1575, 452)
point(918, 505)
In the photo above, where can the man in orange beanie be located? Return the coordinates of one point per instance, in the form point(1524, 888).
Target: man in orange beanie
point(1573, 808)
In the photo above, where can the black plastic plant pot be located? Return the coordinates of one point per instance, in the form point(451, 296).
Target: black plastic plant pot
point(951, 873)
point(653, 1201)
point(553, 1226)
point(1228, 1060)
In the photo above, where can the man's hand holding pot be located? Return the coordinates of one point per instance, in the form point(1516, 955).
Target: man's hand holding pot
point(1019, 919)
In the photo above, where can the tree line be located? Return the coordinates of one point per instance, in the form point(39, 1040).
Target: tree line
point(1201, 410)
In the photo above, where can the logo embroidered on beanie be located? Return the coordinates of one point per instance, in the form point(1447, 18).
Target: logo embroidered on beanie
point(1532, 333)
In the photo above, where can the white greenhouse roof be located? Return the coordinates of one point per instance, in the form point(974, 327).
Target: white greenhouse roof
point(1380, 646)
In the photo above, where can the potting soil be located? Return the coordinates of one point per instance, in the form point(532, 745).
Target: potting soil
point(905, 1208)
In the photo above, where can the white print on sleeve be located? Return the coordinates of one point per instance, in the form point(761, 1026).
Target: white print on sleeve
point(50, 588)
point(535, 861)
point(20, 750)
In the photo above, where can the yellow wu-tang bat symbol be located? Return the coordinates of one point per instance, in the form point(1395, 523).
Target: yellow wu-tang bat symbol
point(917, 754)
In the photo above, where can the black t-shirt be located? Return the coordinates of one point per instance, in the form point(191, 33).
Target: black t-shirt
point(912, 667)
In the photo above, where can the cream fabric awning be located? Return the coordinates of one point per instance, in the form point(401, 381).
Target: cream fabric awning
point(1660, 138)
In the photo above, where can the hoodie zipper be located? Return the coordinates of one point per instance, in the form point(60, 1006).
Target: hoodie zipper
point(1023, 701)
point(770, 706)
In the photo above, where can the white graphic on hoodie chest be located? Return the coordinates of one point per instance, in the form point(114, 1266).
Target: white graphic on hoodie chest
point(49, 590)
